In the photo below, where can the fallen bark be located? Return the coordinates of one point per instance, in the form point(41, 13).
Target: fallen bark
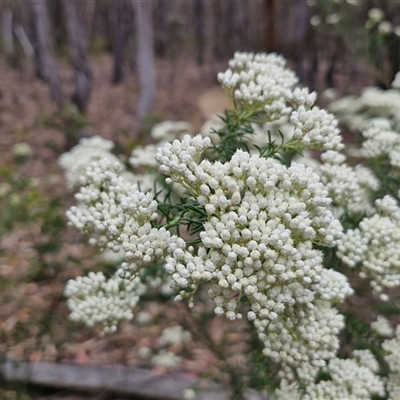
point(112, 379)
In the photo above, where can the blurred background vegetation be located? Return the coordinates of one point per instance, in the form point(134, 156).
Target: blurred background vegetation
point(342, 46)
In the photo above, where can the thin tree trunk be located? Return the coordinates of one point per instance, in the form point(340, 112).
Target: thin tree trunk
point(270, 11)
point(90, 7)
point(58, 31)
point(160, 37)
point(80, 61)
point(231, 28)
point(199, 30)
point(119, 40)
point(24, 40)
point(46, 66)
point(236, 26)
point(301, 36)
point(7, 32)
point(335, 56)
point(145, 59)
point(217, 30)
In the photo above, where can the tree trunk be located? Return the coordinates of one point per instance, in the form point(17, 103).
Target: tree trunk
point(90, 8)
point(118, 9)
point(145, 59)
point(235, 26)
point(80, 62)
point(270, 8)
point(59, 29)
point(217, 30)
point(334, 57)
point(24, 40)
point(199, 30)
point(7, 31)
point(46, 66)
point(160, 37)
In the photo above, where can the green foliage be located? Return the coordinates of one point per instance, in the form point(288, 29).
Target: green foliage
point(236, 134)
point(186, 213)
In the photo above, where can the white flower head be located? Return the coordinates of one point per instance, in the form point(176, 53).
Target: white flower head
point(316, 129)
point(382, 326)
point(166, 359)
point(83, 154)
point(173, 335)
point(376, 14)
point(353, 378)
point(170, 130)
point(144, 156)
point(259, 82)
point(316, 20)
point(373, 246)
point(333, 19)
point(95, 300)
point(385, 27)
point(120, 215)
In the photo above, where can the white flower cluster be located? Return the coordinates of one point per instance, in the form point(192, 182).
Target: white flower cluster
point(178, 159)
point(374, 246)
point(373, 102)
point(302, 339)
point(120, 214)
point(173, 335)
point(316, 129)
point(260, 82)
point(144, 156)
point(392, 357)
point(381, 139)
point(189, 394)
point(263, 219)
point(166, 359)
point(93, 299)
point(167, 131)
point(382, 326)
point(79, 157)
point(170, 130)
point(349, 187)
point(376, 14)
point(22, 151)
point(350, 379)
point(259, 211)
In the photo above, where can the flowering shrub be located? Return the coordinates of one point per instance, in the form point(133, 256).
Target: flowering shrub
point(266, 237)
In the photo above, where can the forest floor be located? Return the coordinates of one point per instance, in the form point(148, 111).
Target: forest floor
point(39, 253)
